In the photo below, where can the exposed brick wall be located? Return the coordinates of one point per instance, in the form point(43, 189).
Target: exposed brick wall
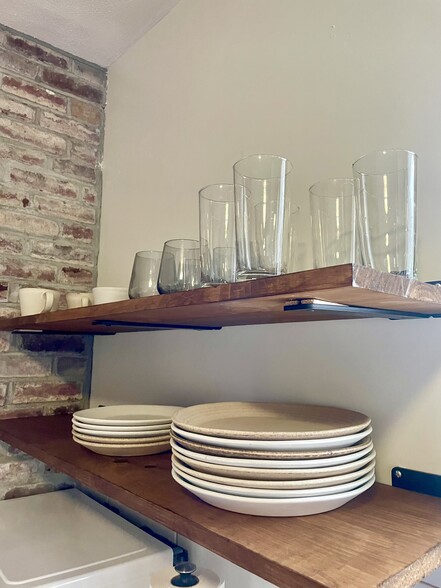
point(51, 140)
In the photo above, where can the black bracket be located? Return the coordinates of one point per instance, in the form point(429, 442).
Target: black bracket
point(150, 326)
point(421, 482)
point(332, 309)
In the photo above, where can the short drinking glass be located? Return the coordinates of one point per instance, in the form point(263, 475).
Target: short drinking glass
point(180, 266)
point(145, 274)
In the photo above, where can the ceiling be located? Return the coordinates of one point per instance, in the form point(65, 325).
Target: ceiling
point(96, 30)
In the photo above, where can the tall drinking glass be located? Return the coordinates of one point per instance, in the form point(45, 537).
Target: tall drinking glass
point(217, 234)
point(385, 183)
point(180, 266)
point(333, 219)
point(145, 272)
point(260, 190)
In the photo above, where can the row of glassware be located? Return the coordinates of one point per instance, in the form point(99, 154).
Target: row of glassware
point(247, 230)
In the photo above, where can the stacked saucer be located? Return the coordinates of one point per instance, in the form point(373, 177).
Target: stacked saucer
point(124, 430)
point(272, 459)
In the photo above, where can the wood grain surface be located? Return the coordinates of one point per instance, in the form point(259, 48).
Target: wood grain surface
point(254, 302)
point(387, 537)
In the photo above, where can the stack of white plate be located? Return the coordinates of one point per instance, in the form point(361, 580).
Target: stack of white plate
point(272, 459)
point(124, 430)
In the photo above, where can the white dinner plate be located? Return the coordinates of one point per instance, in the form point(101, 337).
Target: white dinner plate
point(125, 450)
point(119, 434)
point(271, 493)
point(275, 484)
point(270, 420)
point(121, 429)
point(121, 440)
point(275, 444)
point(139, 414)
point(272, 463)
point(275, 474)
point(274, 507)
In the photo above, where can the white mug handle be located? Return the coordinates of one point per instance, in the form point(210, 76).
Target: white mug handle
point(48, 301)
point(84, 301)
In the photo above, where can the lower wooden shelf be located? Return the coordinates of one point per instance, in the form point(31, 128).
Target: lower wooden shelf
point(387, 537)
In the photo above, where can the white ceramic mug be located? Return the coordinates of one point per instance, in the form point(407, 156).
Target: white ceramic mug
point(78, 299)
point(103, 294)
point(37, 300)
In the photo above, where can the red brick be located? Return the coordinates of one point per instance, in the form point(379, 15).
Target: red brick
point(72, 85)
point(69, 127)
point(20, 268)
point(72, 367)
point(4, 289)
point(36, 51)
point(15, 109)
point(16, 412)
point(10, 244)
point(63, 209)
point(18, 64)
point(58, 251)
point(92, 73)
point(3, 389)
point(46, 392)
point(86, 112)
point(33, 93)
point(76, 275)
point(29, 135)
point(52, 343)
point(43, 183)
point(21, 365)
point(84, 153)
point(28, 224)
point(69, 168)
point(90, 196)
point(77, 232)
point(26, 156)
point(13, 199)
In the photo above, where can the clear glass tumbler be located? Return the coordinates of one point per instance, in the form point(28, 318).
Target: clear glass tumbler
point(145, 272)
point(217, 234)
point(385, 185)
point(260, 187)
point(180, 266)
point(333, 219)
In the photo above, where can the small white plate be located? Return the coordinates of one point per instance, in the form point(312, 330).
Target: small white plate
point(129, 414)
point(121, 440)
point(274, 507)
point(125, 450)
point(276, 484)
point(121, 429)
point(272, 463)
point(120, 434)
point(270, 493)
point(275, 474)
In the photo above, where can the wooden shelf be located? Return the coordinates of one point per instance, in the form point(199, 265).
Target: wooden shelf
point(254, 302)
point(387, 537)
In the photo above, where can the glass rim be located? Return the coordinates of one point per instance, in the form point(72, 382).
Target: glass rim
point(384, 152)
point(147, 251)
point(220, 185)
point(258, 156)
point(193, 243)
point(313, 192)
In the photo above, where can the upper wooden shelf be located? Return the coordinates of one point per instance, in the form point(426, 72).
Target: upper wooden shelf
point(254, 302)
point(386, 537)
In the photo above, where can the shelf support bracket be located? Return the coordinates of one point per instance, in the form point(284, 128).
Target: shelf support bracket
point(331, 309)
point(150, 326)
point(421, 482)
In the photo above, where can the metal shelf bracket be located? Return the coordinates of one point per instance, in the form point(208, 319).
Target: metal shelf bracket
point(421, 482)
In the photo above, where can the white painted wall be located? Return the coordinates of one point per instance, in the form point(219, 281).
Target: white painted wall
point(320, 82)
